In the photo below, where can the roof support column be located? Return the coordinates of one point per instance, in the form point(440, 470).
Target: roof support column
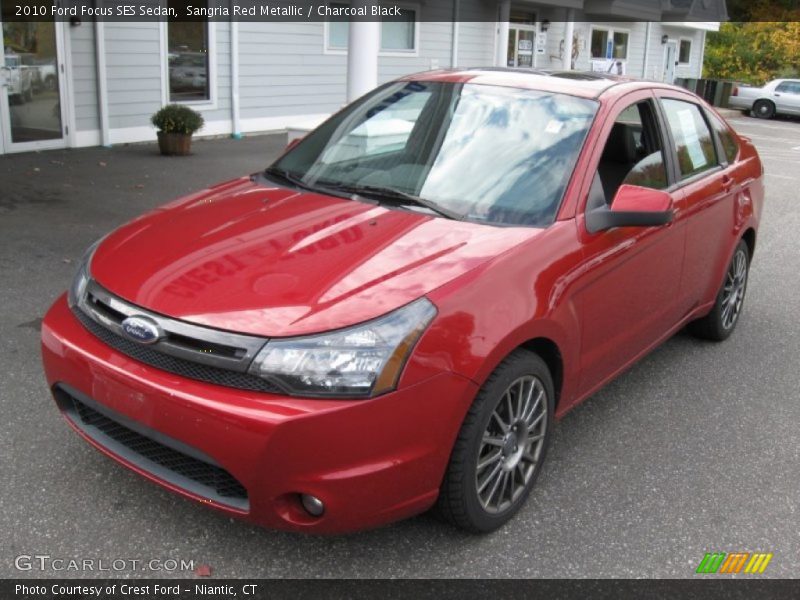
point(569, 33)
point(362, 55)
point(501, 50)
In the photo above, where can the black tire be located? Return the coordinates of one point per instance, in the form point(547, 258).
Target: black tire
point(764, 109)
point(717, 325)
point(460, 500)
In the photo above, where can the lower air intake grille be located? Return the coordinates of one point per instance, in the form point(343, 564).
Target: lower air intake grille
point(179, 366)
point(197, 476)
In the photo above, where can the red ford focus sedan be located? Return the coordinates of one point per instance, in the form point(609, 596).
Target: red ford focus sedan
point(393, 314)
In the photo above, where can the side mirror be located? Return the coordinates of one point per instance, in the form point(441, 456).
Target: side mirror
point(633, 206)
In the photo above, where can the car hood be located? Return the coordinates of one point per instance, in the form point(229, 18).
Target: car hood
point(261, 259)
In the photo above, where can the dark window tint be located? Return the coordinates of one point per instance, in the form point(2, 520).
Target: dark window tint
point(729, 144)
point(633, 153)
point(693, 142)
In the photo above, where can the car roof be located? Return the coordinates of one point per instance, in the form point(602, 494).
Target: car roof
point(584, 84)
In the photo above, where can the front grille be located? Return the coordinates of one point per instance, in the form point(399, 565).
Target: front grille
point(173, 364)
point(191, 473)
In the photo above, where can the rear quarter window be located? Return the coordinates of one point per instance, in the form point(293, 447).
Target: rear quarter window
point(729, 144)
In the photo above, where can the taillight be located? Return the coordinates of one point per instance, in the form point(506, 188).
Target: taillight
point(735, 91)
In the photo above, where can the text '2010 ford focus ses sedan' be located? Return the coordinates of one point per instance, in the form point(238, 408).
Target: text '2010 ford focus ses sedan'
point(392, 315)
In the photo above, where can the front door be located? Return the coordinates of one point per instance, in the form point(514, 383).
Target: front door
point(31, 89)
point(628, 294)
point(670, 60)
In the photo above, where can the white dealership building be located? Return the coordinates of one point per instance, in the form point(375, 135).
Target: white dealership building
point(86, 83)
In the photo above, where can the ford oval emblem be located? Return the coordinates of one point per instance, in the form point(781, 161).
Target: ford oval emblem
point(141, 329)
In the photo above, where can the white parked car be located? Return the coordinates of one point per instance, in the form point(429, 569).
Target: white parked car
point(19, 79)
point(778, 97)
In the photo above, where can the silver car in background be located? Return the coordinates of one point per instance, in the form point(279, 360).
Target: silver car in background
point(778, 97)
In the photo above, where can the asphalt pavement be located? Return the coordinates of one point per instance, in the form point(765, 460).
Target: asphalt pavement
point(695, 449)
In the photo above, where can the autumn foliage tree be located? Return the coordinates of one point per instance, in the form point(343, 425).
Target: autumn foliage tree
point(763, 46)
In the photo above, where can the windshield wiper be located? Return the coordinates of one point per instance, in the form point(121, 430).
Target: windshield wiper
point(286, 177)
point(295, 181)
point(399, 197)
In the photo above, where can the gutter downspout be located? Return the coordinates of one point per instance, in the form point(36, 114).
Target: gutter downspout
point(702, 54)
point(455, 34)
point(102, 83)
point(569, 33)
point(646, 61)
point(236, 129)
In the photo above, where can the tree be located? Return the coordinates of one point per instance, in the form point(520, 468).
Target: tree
point(763, 48)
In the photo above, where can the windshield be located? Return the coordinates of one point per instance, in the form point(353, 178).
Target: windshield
point(494, 154)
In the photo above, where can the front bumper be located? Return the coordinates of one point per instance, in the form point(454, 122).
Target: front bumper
point(370, 461)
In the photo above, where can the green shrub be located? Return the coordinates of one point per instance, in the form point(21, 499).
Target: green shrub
point(177, 118)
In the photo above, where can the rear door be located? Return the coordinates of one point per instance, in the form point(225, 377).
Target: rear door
point(709, 186)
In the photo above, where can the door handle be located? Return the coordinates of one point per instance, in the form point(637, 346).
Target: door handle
point(727, 182)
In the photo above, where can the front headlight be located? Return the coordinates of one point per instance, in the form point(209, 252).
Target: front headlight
point(357, 362)
point(81, 279)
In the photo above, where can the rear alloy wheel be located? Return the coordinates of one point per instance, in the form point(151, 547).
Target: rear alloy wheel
point(764, 109)
point(501, 447)
point(721, 321)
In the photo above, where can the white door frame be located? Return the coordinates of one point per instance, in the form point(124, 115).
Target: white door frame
point(521, 27)
point(666, 67)
point(6, 145)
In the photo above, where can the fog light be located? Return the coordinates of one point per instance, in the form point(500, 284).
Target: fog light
point(312, 504)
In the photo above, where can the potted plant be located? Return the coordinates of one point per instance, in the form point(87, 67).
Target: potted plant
point(176, 123)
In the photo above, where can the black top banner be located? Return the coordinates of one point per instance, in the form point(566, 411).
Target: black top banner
point(77, 11)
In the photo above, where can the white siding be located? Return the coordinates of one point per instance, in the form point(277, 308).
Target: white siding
point(133, 72)
point(286, 74)
point(84, 77)
point(284, 71)
point(476, 37)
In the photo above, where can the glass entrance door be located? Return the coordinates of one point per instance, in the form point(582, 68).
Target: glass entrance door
point(31, 106)
point(520, 46)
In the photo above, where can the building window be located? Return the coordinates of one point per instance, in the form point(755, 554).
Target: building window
point(188, 61)
point(398, 33)
point(685, 52)
point(608, 43)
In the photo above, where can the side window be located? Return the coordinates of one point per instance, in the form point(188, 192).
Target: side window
point(633, 154)
point(785, 87)
point(693, 142)
point(729, 144)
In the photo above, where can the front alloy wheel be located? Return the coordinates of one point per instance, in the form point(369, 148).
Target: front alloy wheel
point(511, 445)
point(501, 446)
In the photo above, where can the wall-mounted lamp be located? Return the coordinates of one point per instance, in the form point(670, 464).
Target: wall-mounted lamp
point(545, 25)
point(664, 39)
